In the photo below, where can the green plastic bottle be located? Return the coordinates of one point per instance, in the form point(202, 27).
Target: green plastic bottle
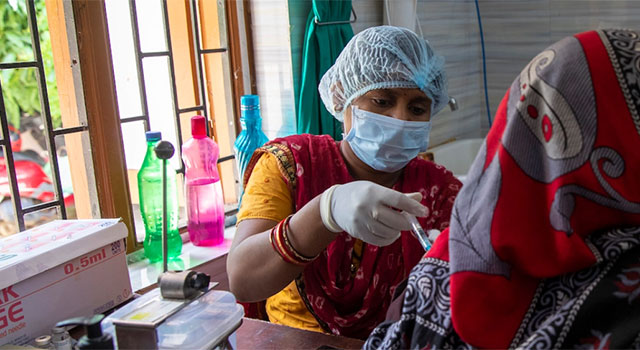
point(150, 190)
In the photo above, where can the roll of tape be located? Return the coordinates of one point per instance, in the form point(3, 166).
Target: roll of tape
point(182, 284)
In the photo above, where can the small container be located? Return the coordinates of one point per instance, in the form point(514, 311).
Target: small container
point(61, 339)
point(44, 342)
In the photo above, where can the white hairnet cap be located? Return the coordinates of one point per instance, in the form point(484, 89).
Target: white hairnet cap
point(381, 58)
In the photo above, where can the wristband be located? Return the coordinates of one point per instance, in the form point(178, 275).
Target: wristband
point(325, 210)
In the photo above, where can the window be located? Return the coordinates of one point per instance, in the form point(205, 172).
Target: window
point(164, 53)
point(171, 60)
point(35, 183)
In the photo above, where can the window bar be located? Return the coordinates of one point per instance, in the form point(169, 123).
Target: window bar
point(195, 31)
point(172, 76)
point(46, 112)
point(16, 65)
point(65, 131)
point(224, 159)
point(133, 119)
point(40, 206)
point(139, 69)
point(154, 54)
point(213, 50)
point(11, 169)
point(191, 109)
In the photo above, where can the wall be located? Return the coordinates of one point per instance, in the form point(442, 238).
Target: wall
point(450, 27)
point(516, 31)
point(272, 57)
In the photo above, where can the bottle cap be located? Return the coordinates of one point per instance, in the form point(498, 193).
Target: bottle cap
point(153, 135)
point(43, 341)
point(249, 102)
point(198, 127)
point(250, 106)
point(94, 339)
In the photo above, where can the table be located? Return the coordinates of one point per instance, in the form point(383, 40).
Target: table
point(256, 334)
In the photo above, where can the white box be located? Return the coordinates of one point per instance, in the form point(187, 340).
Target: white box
point(62, 269)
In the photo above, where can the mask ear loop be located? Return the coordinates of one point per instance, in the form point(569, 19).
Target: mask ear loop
point(344, 135)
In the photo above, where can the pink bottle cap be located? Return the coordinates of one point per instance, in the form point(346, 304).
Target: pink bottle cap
point(198, 127)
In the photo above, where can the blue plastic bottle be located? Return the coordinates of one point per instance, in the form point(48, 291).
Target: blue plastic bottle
point(251, 136)
point(150, 191)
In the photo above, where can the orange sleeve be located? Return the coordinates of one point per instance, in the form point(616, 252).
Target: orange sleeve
point(266, 195)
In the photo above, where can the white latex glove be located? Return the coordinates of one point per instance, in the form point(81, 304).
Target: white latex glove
point(363, 209)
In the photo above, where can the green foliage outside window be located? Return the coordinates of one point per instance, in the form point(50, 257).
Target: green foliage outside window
point(20, 86)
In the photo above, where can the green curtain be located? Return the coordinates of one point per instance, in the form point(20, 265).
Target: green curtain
point(323, 44)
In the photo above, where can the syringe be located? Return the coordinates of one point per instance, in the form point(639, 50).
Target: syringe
point(418, 231)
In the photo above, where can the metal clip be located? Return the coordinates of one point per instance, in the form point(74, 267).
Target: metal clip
point(453, 104)
point(353, 12)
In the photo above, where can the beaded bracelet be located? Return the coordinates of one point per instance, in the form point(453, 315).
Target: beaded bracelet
point(279, 239)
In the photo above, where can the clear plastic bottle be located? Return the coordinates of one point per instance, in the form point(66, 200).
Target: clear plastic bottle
point(205, 205)
point(251, 136)
point(150, 191)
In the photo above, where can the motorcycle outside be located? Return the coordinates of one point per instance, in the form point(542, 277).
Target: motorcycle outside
point(34, 185)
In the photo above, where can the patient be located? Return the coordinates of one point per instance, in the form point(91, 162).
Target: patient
point(543, 250)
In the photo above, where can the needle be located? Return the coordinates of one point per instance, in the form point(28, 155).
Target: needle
point(418, 231)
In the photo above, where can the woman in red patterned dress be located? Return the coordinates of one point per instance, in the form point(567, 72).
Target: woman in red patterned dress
point(322, 239)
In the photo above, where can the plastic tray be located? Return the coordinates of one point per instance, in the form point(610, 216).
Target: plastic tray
point(202, 324)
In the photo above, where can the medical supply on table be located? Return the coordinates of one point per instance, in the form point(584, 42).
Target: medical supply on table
point(182, 284)
point(94, 338)
point(204, 200)
point(193, 317)
point(419, 232)
point(60, 338)
point(44, 342)
point(58, 270)
point(251, 136)
point(150, 191)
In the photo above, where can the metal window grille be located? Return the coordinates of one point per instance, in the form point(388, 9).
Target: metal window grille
point(168, 53)
point(50, 133)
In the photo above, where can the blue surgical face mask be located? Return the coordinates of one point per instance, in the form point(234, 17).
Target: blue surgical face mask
point(385, 143)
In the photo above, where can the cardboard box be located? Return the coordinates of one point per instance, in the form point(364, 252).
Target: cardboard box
point(63, 269)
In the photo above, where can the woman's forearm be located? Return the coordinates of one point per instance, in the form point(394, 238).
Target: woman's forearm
point(255, 270)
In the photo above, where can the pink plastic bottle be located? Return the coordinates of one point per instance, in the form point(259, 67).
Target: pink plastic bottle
point(205, 209)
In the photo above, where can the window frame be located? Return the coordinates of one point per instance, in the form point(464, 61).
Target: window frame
point(92, 89)
point(20, 212)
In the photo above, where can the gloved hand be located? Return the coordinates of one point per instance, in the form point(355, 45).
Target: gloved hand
point(363, 209)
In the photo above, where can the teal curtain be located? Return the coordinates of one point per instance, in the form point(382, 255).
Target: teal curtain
point(323, 44)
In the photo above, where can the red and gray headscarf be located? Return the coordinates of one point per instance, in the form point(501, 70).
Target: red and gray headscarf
point(543, 250)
